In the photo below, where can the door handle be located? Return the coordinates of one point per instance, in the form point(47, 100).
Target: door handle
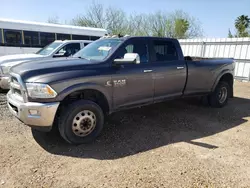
point(147, 70)
point(180, 68)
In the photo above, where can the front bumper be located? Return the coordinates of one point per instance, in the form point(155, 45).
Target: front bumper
point(4, 82)
point(36, 115)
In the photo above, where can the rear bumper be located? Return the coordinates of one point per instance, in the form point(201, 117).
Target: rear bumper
point(37, 115)
point(4, 82)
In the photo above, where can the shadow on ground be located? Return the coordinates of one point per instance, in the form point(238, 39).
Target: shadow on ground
point(142, 129)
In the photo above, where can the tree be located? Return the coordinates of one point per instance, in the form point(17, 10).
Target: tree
point(230, 34)
point(241, 24)
point(53, 19)
point(181, 25)
point(138, 25)
point(177, 24)
point(94, 17)
point(116, 21)
point(112, 19)
point(157, 24)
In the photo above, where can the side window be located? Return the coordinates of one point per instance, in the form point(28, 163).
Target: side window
point(86, 44)
point(94, 38)
point(80, 37)
point(1, 40)
point(69, 49)
point(13, 37)
point(165, 51)
point(139, 47)
point(63, 36)
point(130, 48)
point(31, 38)
point(47, 38)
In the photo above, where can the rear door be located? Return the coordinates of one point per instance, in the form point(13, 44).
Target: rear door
point(169, 73)
point(133, 83)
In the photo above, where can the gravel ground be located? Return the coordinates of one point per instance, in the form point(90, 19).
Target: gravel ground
point(173, 144)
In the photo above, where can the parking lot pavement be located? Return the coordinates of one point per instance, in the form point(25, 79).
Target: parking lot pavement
point(173, 144)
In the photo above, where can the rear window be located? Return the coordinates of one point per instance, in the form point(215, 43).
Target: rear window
point(165, 51)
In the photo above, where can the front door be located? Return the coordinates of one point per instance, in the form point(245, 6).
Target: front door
point(132, 83)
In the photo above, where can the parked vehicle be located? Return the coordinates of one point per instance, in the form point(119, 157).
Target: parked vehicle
point(109, 75)
point(54, 50)
point(19, 36)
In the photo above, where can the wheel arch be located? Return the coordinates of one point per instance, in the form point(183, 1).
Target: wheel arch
point(226, 76)
point(88, 91)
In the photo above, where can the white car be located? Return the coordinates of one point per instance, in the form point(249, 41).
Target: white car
point(54, 50)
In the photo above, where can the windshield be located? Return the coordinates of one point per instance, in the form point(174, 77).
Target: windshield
point(47, 50)
point(98, 50)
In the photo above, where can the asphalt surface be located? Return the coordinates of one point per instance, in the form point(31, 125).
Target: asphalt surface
point(173, 144)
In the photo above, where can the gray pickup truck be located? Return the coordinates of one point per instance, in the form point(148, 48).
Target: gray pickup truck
point(112, 74)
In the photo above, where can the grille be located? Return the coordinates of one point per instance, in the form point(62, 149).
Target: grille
point(16, 88)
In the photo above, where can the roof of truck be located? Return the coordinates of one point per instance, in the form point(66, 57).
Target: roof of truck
point(129, 37)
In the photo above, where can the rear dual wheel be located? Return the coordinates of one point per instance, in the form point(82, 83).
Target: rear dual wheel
point(219, 97)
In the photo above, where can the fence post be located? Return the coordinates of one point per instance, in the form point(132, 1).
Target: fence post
point(203, 49)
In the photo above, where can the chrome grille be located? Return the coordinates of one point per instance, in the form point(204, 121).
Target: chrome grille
point(17, 87)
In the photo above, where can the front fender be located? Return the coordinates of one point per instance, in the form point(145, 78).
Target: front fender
point(82, 86)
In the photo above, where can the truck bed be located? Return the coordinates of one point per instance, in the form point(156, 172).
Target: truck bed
point(195, 58)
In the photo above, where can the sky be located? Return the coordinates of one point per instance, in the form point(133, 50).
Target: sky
point(215, 16)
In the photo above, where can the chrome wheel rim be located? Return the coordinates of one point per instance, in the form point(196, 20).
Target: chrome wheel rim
point(84, 123)
point(222, 95)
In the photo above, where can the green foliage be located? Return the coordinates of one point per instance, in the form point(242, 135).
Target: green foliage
point(242, 24)
point(181, 27)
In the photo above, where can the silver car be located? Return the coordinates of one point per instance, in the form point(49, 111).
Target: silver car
point(56, 49)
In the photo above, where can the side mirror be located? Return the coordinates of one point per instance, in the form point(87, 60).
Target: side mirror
point(132, 58)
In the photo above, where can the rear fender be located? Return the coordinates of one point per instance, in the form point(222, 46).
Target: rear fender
point(218, 79)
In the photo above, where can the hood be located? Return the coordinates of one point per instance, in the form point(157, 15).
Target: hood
point(41, 67)
point(18, 57)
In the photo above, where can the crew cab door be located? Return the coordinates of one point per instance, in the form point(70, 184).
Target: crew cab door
point(133, 83)
point(169, 73)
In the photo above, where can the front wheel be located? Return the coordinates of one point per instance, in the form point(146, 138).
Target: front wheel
point(81, 122)
point(219, 97)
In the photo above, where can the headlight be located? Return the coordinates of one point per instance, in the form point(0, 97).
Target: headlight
point(37, 90)
point(5, 69)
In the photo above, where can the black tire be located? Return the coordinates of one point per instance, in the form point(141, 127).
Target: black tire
point(204, 100)
point(215, 97)
point(67, 116)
